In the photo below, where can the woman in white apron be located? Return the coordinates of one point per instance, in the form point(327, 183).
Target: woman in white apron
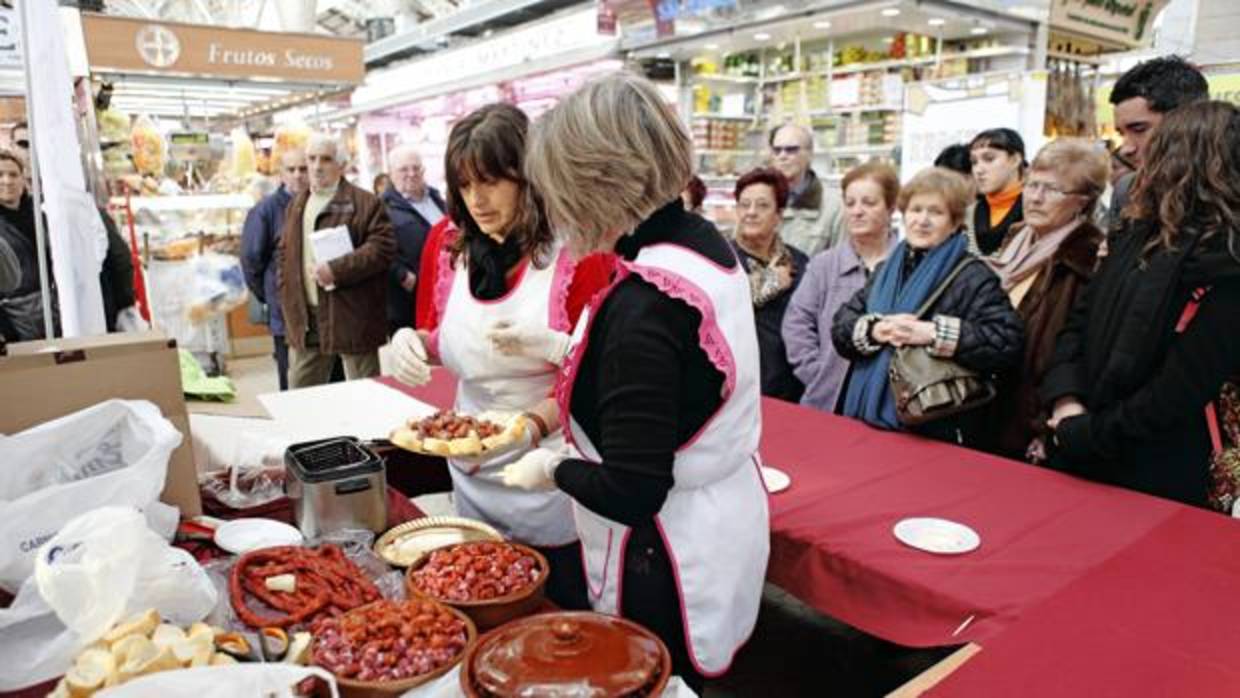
point(660, 391)
point(502, 278)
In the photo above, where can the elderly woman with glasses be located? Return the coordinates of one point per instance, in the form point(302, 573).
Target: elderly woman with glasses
point(660, 396)
point(972, 323)
point(1043, 266)
point(774, 270)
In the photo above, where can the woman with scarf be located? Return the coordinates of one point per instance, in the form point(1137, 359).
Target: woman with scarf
point(1043, 265)
point(998, 159)
point(774, 269)
point(506, 296)
point(1152, 341)
point(971, 323)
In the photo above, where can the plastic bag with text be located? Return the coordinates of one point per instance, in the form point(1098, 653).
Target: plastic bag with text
point(115, 453)
point(235, 681)
point(101, 567)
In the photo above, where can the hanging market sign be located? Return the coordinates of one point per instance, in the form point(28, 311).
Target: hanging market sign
point(123, 44)
point(1127, 23)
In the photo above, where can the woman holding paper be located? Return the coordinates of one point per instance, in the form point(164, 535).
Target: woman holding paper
point(506, 295)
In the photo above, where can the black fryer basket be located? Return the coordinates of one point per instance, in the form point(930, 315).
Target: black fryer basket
point(331, 459)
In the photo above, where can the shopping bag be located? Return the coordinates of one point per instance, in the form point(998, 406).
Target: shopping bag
point(234, 681)
point(114, 453)
point(102, 566)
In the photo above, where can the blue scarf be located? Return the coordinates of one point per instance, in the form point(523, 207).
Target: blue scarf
point(869, 395)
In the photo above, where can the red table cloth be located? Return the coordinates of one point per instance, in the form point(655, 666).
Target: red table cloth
point(1162, 618)
point(831, 532)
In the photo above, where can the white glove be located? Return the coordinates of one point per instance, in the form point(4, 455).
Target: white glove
point(410, 358)
point(533, 342)
point(533, 471)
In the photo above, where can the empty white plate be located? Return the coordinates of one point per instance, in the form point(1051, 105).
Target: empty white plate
point(938, 536)
point(775, 480)
point(240, 536)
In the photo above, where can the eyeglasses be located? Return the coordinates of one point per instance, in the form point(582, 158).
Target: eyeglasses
point(785, 149)
point(1050, 190)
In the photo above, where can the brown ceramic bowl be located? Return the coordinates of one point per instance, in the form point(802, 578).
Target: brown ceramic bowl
point(491, 613)
point(613, 656)
point(354, 688)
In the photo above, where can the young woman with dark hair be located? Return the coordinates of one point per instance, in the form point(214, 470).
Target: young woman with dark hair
point(1152, 340)
point(998, 159)
point(506, 296)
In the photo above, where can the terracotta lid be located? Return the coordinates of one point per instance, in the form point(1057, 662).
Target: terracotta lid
point(568, 654)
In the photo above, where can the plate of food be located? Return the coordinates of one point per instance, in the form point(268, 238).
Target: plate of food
point(939, 536)
point(448, 433)
point(405, 544)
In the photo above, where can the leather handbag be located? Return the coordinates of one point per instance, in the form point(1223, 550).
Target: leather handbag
point(927, 388)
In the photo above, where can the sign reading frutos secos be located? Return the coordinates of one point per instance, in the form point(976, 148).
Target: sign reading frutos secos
point(128, 45)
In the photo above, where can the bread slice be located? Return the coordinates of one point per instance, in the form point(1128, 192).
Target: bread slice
point(469, 445)
point(143, 623)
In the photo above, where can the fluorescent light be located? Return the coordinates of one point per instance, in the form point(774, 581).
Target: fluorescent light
point(822, 24)
point(663, 54)
point(891, 12)
point(936, 21)
point(979, 30)
point(711, 47)
point(762, 36)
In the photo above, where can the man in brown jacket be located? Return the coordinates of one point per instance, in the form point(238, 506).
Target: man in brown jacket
point(338, 306)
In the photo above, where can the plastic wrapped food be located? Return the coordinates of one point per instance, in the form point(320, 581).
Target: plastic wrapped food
point(113, 125)
point(288, 137)
point(149, 150)
point(243, 158)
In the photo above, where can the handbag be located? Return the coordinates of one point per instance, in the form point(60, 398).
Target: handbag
point(927, 388)
point(1222, 416)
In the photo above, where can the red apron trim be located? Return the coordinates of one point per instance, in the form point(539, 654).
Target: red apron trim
point(565, 268)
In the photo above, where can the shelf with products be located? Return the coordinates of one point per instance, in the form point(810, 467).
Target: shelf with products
point(725, 117)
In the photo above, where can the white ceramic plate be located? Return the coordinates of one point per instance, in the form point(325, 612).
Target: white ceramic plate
point(937, 535)
point(240, 536)
point(775, 480)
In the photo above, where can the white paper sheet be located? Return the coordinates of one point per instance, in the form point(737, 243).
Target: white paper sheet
point(366, 409)
point(330, 243)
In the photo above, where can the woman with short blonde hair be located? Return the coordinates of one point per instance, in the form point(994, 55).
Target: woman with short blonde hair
point(661, 389)
point(1043, 265)
point(619, 151)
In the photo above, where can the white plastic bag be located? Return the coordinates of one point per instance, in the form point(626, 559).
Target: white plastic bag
point(114, 453)
point(101, 567)
point(233, 681)
point(253, 476)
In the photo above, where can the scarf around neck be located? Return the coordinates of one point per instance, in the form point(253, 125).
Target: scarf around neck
point(1026, 252)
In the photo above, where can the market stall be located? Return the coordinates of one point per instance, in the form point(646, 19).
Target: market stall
point(417, 102)
point(187, 149)
point(844, 72)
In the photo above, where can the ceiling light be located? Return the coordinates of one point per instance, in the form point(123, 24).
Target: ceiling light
point(936, 21)
point(824, 24)
point(891, 12)
point(979, 30)
point(663, 54)
point(762, 36)
point(711, 47)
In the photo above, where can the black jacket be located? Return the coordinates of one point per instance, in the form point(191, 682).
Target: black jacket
point(988, 237)
point(116, 276)
point(1144, 386)
point(411, 230)
point(992, 337)
point(778, 380)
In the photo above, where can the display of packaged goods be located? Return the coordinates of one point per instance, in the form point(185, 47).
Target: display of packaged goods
point(149, 150)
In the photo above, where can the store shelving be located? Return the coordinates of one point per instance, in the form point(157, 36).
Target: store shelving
point(726, 117)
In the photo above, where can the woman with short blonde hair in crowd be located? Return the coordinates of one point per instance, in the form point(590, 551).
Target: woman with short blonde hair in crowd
point(1043, 265)
point(661, 392)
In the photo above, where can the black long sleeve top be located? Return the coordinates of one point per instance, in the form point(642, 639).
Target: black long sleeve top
point(645, 385)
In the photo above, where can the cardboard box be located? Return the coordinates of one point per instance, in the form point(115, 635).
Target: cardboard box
point(44, 380)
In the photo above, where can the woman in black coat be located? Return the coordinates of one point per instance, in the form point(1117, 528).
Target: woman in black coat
point(1128, 390)
point(972, 323)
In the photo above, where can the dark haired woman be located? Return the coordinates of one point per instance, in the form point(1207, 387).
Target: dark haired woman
point(774, 269)
point(506, 296)
point(998, 159)
point(1136, 362)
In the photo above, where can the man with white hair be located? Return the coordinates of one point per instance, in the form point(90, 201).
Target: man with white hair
point(335, 306)
point(813, 219)
point(413, 208)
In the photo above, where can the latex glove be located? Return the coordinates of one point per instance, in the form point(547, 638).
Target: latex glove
point(533, 342)
point(533, 471)
point(412, 367)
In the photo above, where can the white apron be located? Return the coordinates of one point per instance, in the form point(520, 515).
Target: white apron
point(715, 522)
point(489, 380)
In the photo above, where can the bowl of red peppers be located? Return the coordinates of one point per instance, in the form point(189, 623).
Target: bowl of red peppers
point(492, 582)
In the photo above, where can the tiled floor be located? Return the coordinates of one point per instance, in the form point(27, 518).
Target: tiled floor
point(795, 651)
